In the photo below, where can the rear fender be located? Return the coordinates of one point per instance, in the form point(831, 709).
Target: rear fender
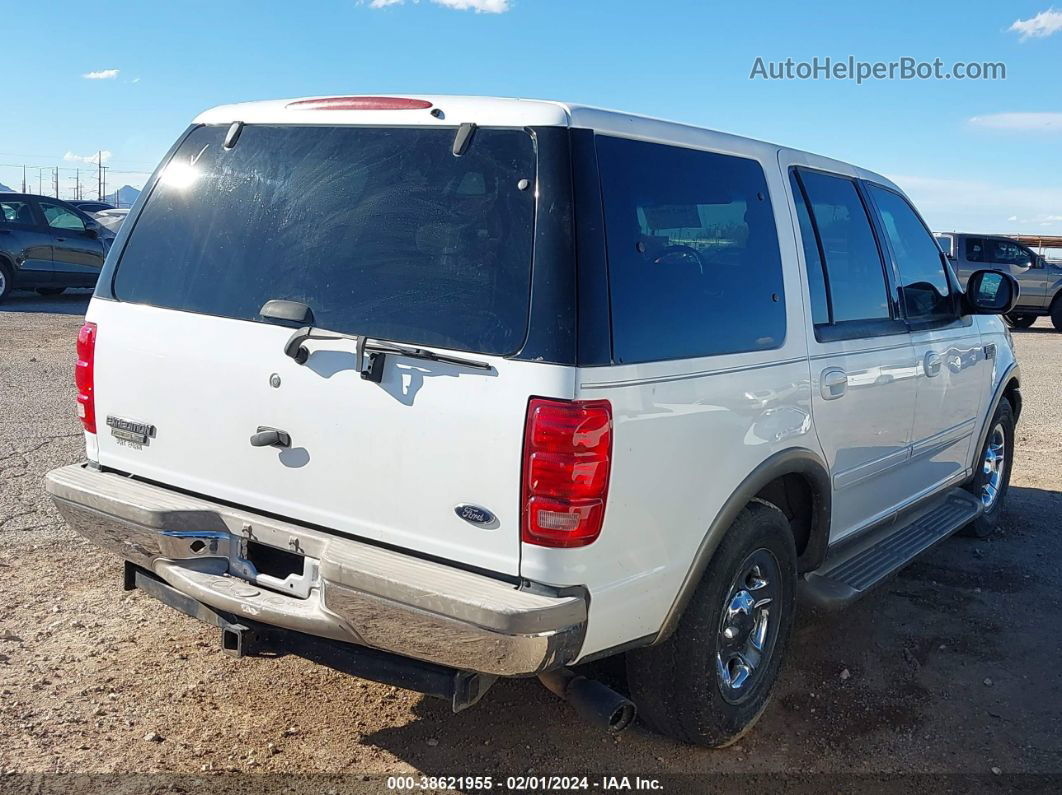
point(797, 460)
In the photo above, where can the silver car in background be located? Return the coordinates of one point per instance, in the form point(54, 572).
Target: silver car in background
point(1040, 279)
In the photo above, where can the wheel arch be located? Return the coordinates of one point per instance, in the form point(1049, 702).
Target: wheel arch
point(795, 467)
point(1009, 387)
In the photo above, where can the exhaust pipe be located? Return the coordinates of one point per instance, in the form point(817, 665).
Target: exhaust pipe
point(594, 702)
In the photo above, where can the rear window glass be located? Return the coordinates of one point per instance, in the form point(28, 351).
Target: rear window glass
point(694, 266)
point(381, 231)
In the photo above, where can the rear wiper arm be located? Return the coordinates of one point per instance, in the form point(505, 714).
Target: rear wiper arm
point(371, 366)
point(380, 347)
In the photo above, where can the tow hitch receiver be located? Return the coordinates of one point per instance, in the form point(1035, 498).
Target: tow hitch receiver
point(241, 637)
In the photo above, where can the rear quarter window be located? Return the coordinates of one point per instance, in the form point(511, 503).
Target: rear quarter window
point(694, 265)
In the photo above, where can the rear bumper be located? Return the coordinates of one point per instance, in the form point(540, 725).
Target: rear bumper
point(351, 591)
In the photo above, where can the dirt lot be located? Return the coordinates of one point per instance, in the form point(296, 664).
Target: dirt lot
point(954, 667)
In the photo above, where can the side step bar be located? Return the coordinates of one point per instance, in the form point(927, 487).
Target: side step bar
point(241, 637)
point(857, 566)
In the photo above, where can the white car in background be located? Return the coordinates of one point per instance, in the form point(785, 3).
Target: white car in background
point(112, 218)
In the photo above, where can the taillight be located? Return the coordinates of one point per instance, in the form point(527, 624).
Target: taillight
point(84, 376)
point(567, 459)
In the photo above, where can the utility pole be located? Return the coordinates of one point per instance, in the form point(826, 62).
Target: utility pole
point(40, 181)
point(57, 182)
point(23, 178)
point(104, 193)
point(99, 172)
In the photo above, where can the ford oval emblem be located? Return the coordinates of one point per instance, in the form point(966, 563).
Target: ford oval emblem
point(475, 514)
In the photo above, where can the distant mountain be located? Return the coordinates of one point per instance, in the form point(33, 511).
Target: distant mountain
point(124, 196)
point(5, 189)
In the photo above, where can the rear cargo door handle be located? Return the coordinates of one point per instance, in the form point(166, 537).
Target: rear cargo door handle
point(270, 437)
point(834, 383)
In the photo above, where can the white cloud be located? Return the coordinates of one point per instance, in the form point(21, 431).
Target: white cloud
point(102, 74)
point(1046, 23)
point(479, 6)
point(975, 206)
point(94, 159)
point(1024, 122)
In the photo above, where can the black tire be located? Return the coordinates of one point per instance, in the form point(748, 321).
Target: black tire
point(1020, 321)
point(677, 685)
point(987, 522)
point(7, 279)
point(1056, 313)
point(49, 291)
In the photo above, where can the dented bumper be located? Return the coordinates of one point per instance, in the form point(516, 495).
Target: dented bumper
point(345, 590)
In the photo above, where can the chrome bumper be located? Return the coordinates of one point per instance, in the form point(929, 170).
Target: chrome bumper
point(348, 590)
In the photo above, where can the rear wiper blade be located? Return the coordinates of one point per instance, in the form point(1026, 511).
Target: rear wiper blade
point(371, 366)
point(423, 353)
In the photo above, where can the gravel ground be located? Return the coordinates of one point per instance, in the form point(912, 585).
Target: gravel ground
point(952, 668)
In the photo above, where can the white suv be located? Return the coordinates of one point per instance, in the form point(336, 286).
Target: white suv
point(442, 389)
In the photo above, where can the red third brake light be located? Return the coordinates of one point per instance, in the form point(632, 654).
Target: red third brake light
point(567, 460)
point(84, 376)
point(360, 103)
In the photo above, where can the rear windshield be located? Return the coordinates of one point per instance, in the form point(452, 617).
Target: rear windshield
point(381, 231)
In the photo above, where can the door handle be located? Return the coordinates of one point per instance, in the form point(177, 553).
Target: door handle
point(834, 383)
point(931, 364)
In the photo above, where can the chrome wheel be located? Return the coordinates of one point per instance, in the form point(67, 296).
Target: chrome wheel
point(3, 281)
point(748, 626)
point(994, 466)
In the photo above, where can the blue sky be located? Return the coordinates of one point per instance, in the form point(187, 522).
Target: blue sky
point(978, 155)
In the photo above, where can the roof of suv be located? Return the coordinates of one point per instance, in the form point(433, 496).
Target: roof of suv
point(448, 111)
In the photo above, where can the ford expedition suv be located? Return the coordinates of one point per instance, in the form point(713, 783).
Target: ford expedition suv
point(437, 390)
point(1039, 279)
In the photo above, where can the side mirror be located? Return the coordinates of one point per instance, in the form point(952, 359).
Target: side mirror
point(92, 228)
point(990, 293)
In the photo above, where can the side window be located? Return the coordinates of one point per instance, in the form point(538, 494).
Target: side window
point(820, 306)
point(1006, 252)
point(16, 212)
point(975, 249)
point(59, 217)
point(693, 255)
point(855, 279)
point(923, 280)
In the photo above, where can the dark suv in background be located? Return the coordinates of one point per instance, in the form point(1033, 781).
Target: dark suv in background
point(48, 245)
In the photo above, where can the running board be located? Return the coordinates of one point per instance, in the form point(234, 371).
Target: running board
point(857, 566)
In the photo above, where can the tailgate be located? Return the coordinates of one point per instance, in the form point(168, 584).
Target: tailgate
point(402, 234)
point(388, 462)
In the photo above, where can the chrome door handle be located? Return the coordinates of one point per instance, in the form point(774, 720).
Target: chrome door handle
point(931, 364)
point(833, 383)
